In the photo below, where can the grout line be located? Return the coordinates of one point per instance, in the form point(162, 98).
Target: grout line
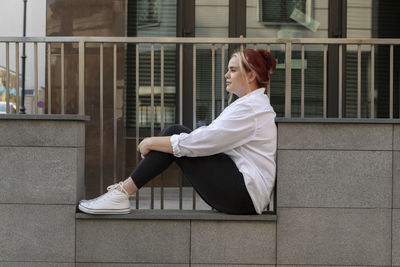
point(190, 242)
point(24, 146)
point(38, 204)
point(276, 241)
point(334, 150)
point(391, 215)
point(76, 259)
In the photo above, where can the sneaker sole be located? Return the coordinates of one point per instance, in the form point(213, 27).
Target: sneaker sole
point(98, 211)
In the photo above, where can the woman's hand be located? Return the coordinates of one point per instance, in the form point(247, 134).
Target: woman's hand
point(144, 146)
point(157, 143)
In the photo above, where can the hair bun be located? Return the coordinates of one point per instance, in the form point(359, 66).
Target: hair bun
point(270, 61)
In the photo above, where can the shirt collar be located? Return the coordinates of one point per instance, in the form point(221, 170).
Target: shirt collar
point(258, 91)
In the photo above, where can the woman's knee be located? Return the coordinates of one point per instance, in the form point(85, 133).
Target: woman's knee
point(174, 129)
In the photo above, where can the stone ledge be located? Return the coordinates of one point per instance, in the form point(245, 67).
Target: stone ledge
point(196, 215)
point(337, 120)
point(55, 117)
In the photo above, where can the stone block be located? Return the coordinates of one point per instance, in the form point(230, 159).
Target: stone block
point(36, 264)
point(358, 179)
point(396, 179)
point(285, 265)
point(37, 233)
point(41, 175)
point(396, 137)
point(334, 136)
point(396, 237)
point(130, 265)
point(223, 242)
point(42, 133)
point(236, 265)
point(314, 236)
point(132, 241)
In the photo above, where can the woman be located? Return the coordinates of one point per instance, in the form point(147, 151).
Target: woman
point(230, 163)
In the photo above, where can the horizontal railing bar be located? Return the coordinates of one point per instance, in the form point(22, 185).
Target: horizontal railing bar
point(201, 40)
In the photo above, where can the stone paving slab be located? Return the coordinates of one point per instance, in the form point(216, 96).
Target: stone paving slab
point(42, 133)
point(37, 233)
point(41, 175)
point(233, 242)
point(335, 136)
point(330, 236)
point(329, 178)
point(127, 241)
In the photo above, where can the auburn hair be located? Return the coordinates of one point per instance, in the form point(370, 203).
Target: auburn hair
point(261, 62)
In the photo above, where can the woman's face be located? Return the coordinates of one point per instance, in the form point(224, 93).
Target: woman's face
point(236, 82)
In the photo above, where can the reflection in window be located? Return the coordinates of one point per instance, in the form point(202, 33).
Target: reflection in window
point(148, 12)
point(150, 18)
point(279, 11)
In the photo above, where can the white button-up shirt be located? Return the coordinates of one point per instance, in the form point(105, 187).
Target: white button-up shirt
point(246, 132)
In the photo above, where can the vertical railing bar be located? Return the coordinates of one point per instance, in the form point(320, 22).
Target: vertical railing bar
point(269, 84)
point(391, 83)
point(49, 78)
point(302, 81)
point(194, 86)
point(35, 67)
point(152, 113)
point(325, 79)
point(17, 76)
point(212, 82)
point(82, 78)
point(62, 80)
point(180, 84)
point(358, 81)
point(137, 114)
point(162, 88)
point(194, 106)
point(8, 78)
point(288, 79)
point(162, 121)
point(152, 89)
point(340, 79)
point(372, 96)
point(222, 77)
point(101, 118)
point(180, 115)
point(115, 109)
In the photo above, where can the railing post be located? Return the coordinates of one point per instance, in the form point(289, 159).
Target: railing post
point(82, 78)
point(288, 79)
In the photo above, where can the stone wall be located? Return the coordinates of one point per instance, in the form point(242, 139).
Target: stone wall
point(42, 178)
point(338, 204)
point(338, 193)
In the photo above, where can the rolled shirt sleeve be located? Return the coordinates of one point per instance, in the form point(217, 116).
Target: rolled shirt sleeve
point(234, 127)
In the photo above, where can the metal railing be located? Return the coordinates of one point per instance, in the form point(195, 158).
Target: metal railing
point(215, 44)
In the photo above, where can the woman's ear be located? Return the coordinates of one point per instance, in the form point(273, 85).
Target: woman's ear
point(251, 77)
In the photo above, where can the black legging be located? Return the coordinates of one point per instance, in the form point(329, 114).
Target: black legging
point(215, 178)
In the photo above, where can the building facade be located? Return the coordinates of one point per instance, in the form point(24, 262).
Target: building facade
point(218, 19)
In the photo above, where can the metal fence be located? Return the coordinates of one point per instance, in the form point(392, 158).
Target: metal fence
point(215, 44)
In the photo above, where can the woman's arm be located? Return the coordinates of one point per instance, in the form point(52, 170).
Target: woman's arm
point(157, 143)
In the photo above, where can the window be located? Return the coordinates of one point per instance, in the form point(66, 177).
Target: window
point(283, 11)
point(148, 13)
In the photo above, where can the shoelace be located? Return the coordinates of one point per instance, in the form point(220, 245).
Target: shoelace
point(109, 190)
point(115, 186)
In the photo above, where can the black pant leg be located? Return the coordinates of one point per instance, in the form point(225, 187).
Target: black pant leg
point(216, 178)
point(156, 162)
point(219, 183)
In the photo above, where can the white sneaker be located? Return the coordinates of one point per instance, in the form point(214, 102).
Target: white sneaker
point(112, 202)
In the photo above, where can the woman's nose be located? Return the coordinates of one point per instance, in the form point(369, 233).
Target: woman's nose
point(226, 75)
